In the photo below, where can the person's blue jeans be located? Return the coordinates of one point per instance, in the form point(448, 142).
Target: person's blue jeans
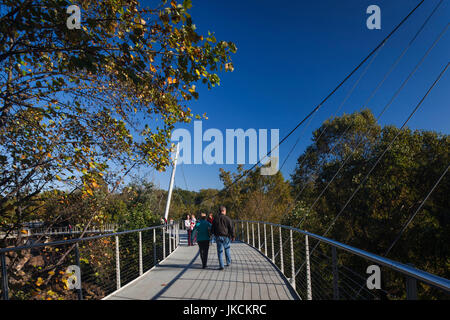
point(223, 243)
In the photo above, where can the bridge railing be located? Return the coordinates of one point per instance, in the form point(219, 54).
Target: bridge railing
point(321, 268)
point(91, 267)
point(43, 231)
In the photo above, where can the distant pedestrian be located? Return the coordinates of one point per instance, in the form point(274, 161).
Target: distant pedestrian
point(223, 231)
point(210, 220)
point(193, 223)
point(202, 231)
point(187, 225)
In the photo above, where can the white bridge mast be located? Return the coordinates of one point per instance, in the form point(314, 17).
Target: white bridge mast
point(172, 179)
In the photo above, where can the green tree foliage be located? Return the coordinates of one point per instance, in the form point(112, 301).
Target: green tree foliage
point(255, 197)
point(77, 103)
point(391, 194)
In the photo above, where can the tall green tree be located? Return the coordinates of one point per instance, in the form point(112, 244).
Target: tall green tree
point(392, 193)
point(256, 196)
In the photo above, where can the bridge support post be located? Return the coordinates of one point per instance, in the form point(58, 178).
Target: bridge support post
point(265, 241)
point(77, 261)
point(173, 237)
point(154, 247)
point(117, 263)
point(141, 269)
point(335, 274)
point(292, 260)
point(259, 238)
point(5, 292)
point(281, 253)
point(164, 242)
point(177, 235)
point(273, 248)
point(253, 235)
point(248, 235)
point(411, 287)
point(308, 270)
point(169, 229)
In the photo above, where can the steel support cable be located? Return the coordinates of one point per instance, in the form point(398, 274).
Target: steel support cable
point(415, 213)
point(363, 73)
point(398, 59)
point(404, 51)
point(333, 91)
point(389, 146)
point(382, 112)
point(376, 90)
point(379, 116)
point(384, 152)
point(325, 129)
point(184, 177)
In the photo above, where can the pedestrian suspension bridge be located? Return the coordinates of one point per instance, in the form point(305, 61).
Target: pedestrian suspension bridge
point(269, 262)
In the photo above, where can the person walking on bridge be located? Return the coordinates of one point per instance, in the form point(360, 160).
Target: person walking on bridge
point(223, 231)
point(187, 225)
point(202, 231)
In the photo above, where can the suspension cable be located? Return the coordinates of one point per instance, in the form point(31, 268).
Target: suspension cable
point(415, 213)
point(331, 93)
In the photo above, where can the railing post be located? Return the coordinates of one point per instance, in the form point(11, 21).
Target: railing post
point(242, 231)
point(141, 268)
point(292, 260)
point(248, 234)
point(164, 242)
point(273, 249)
point(177, 239)
point(77, 261)
point(117, 264)
point(174, 237)
point(265, 240)
point(5, 292)
point(308, 270)
point(169, 229)
point(281, 253)
point(411, 287)
point(154, 247)
point(253, 235)
point(259, 238)
point(335, 273)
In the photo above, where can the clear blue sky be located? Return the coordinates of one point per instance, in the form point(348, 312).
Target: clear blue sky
point(292, 53)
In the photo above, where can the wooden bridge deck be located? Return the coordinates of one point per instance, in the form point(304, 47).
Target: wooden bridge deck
point(251, 276)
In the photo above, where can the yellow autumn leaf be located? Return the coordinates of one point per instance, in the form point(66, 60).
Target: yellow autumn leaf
point(39, 281)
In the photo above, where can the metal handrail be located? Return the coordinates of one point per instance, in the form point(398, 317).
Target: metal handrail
point(76, 240)
point(418, 274)
point(170, 228)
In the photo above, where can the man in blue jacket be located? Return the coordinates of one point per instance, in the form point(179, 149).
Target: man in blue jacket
point(202, 229)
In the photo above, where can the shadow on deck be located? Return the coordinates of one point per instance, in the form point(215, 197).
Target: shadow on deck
point(251, 276)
